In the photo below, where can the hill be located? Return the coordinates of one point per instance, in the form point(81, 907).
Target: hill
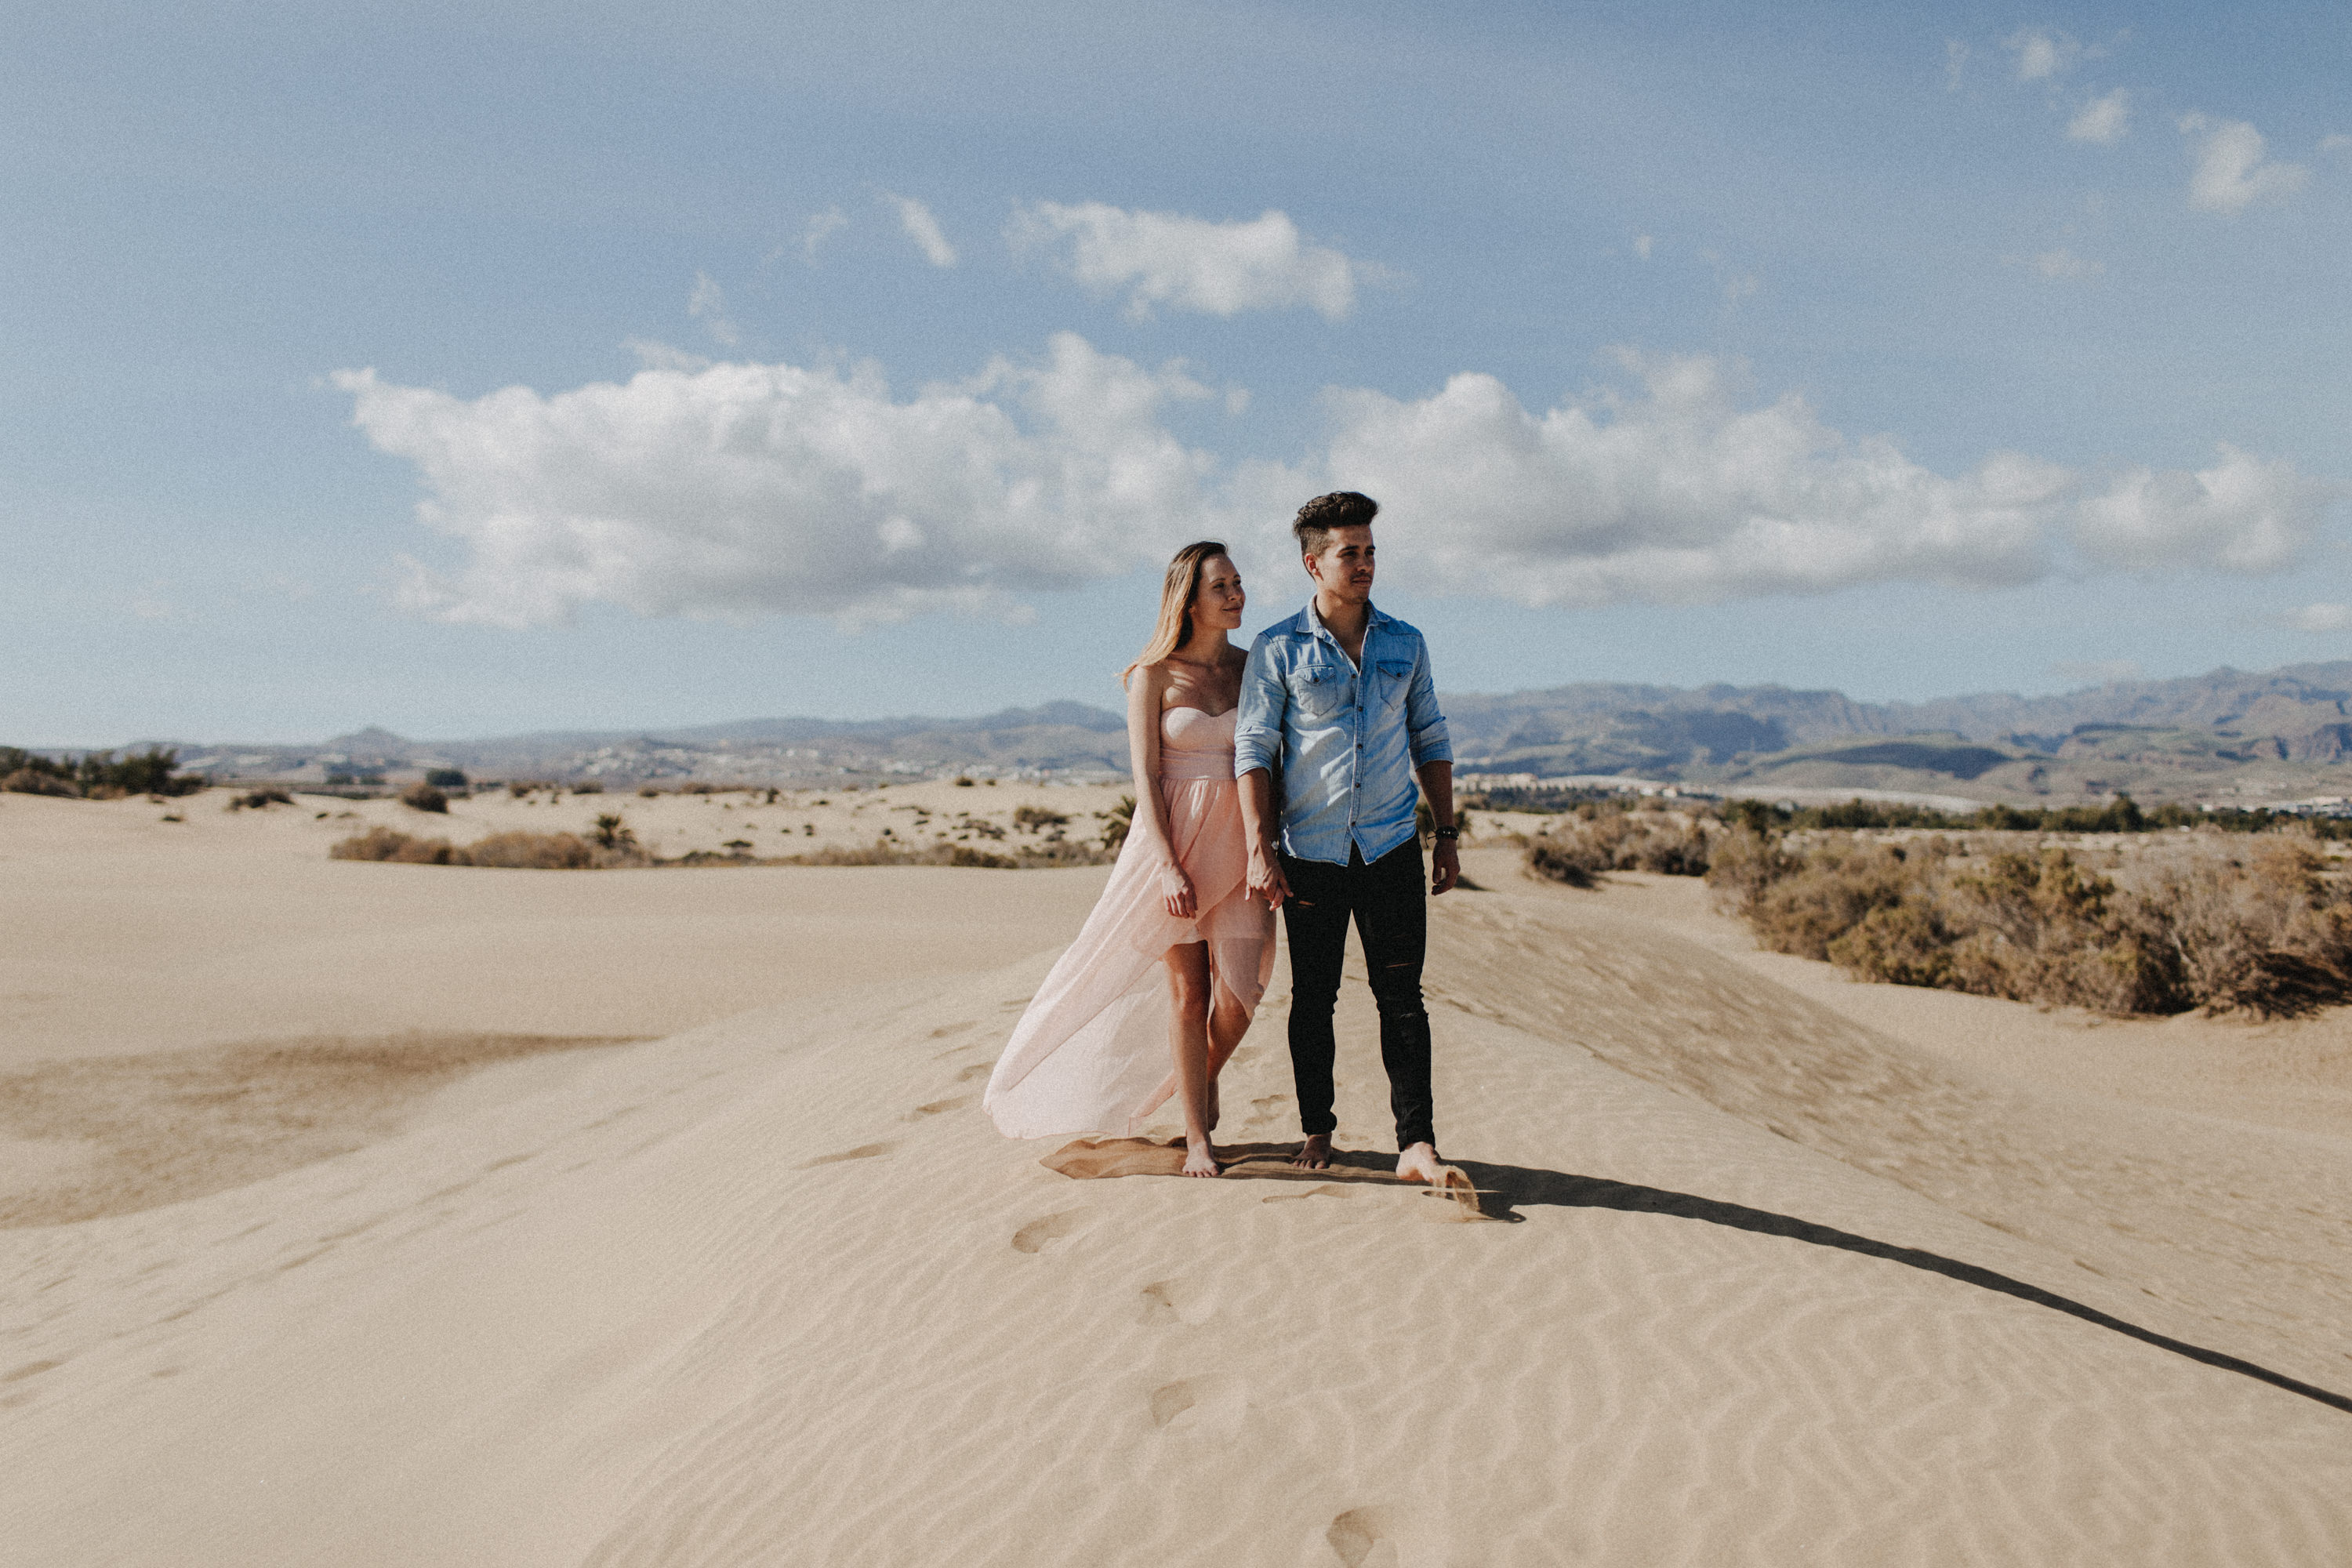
point(2229, 735)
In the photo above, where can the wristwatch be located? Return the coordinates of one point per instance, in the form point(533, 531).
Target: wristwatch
point(1448, 832)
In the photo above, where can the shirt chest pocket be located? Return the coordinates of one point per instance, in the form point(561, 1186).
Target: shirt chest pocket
point(1321, 690)
point(1396, 680)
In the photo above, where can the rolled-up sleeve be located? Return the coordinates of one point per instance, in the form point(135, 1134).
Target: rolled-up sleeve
point(1258, 728)
point(1423, 721)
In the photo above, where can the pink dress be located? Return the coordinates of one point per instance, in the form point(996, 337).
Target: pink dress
point(1093, 1044)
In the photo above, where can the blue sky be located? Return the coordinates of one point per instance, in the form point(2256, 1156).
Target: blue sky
point(759, 359)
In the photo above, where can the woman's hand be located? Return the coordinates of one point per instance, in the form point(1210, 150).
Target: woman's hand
point(1176, 892)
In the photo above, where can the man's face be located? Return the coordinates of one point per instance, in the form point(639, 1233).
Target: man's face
point(1343, 568)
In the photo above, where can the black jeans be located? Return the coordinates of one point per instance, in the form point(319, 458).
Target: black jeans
point(1389, 904)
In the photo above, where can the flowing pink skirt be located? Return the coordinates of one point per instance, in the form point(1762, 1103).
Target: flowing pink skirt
point(1093, 1044)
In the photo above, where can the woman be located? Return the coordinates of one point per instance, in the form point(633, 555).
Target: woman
point(1084, 1058)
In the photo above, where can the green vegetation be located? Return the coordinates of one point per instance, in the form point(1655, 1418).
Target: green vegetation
point(97, 775)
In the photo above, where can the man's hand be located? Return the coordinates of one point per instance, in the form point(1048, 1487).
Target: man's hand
point(1445, 867)
point(1266, 878)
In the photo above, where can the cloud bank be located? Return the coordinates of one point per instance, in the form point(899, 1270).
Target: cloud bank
point(731, 490)
point(1190, 263)
point(744, 490)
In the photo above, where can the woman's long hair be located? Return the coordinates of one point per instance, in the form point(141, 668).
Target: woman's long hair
point(1175, 626)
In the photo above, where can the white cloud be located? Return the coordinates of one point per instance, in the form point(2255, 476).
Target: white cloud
point(2041, 54)
point(2315, 618)
point(1676, 493)
point(1679, 493)
point(2244, 515)
point(1955, 63)
point(2105, 120)
point(2232, 172)
point(1191, 263)
point(2065, 263)
point(923, 229)
point(2335, 145)
point(822, 227)
point(1644, 243)
point(707, 304)
point(739, 489)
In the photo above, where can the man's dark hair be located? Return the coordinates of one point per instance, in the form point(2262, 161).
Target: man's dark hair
point(1340, 508)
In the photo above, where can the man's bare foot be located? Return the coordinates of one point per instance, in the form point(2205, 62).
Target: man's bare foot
point(1418, 1163)
point(1314, 1154)
point(1201, 1160)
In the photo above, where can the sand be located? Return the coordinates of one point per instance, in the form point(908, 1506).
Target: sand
point(1768, 1267)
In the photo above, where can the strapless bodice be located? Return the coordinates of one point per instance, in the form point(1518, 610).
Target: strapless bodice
point(1197, 745)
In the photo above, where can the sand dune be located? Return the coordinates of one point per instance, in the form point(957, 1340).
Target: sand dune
point(1762, 1284)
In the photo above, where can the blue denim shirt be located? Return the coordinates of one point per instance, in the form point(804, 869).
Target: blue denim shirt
point(1347, 739)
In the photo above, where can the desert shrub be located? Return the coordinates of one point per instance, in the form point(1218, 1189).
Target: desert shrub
point(589, 787)
point(445, 778)
point(963, 780)
point(1609, 837)
point(255, 800)
point(1818, 898)
point(1030, 818)
point(425, 797)
point(375, 844)
point(612, 832)
point(648, 792)
point(521, 850)
point(519, 788)
point(1117, 823)
point(2262, 929)
point(29, 781)
point(1565, 859)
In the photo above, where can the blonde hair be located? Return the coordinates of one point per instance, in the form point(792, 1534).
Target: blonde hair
point(1174, 628)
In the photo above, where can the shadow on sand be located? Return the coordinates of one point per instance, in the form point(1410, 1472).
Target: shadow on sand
point(1505, 1189)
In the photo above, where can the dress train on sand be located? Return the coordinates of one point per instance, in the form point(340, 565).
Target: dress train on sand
point(1093, 1043)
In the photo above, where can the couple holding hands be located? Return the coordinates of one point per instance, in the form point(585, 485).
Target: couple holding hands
point(1282, 779)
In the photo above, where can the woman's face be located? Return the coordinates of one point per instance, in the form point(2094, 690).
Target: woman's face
point(1218, 602)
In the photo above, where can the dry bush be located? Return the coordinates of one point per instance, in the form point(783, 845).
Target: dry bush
point(1030, 818)
point(2256, 927)
point(26, 781)
point(1610, 837)
point(534, 852)
point(1565, 857)
point(648, 792)
point(425, 797)
point(256, 800)
point(589, 787)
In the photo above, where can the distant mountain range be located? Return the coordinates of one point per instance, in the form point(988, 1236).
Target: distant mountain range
point(2286, 733)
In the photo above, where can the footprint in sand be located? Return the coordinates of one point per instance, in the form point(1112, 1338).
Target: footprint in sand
point(1197, 1403)
point(863, 1152)
point(944, 1030)
point(1170, 1302)
point(935, 1107)
point(1326, 1190)
point(977, 1069)
point(1038, 1234)
point(1356, 1533)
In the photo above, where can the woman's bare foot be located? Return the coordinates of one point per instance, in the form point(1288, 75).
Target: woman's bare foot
point(1213, 1113)
point(1418, 1163)
point(1201, 1160)
point(1314, 1154)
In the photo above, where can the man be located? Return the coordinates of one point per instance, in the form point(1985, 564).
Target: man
point(1337, 702)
